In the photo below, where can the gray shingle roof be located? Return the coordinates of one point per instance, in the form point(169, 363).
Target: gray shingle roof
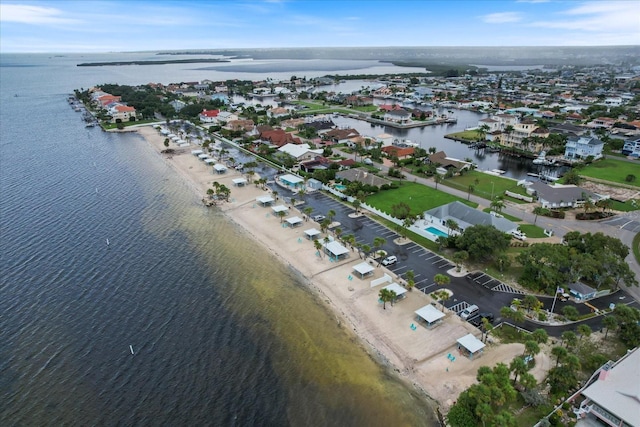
point(464, 214)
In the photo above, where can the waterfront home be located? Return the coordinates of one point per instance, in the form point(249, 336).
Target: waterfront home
point(492, 124)
point(399, 152)
point(632, 148)
point(440, 159)
point(397, 116)
point(466, 216)
point(177, 104)
point(278, 137)
point(277, 112)
point(581, 147)
point(122, 113)
point(341, 136)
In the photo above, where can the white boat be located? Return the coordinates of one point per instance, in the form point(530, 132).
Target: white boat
point(131, 348)
point(107, 242)
point(541, 159)
point(498, 171)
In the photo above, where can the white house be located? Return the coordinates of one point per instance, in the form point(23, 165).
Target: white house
point(580, 147)
point(209, 116)
point(122, 113)
point(177, 104)
point(397, 116)
point(632, 148)
point(299, 151)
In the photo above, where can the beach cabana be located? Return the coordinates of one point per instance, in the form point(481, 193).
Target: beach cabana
point(196, 152)
point(312, 233)
point(430, 314)
point(219, 168)
point(209, 161)
point(291, 181)
point(265, 200)
point(294, 221)
point(399, 290)
point(335, 250)
point(240, 182)
point(470, 345)
point(363, 269)
point(279, 208)
point(203, 156)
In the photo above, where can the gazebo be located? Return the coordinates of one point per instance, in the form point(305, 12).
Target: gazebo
point(470, 345)
point(294, 221)
point(196, 152)
point(265, 200)
point(279, 208)
point(312, 233)
point(335, 250)
point(219, 168)
point(399, 290)
point(209, 161)
point(240, 182)
point(291, 181)
point(363, 269)
point(203, 156)
point(429, 314)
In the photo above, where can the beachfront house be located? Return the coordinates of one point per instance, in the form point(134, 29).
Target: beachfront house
point(122, 113)
point(209, 116)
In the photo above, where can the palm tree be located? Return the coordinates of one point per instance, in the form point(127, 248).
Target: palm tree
point(452, 225)
point(584, 331)
point(531, 348)
point(330, 215)
point(324, 225)
point(609, 322)
point(365, 250)
point(441, 279)
point(437, 178)
point(386, 295)
point(518, 366)
point(356, 204)
point(318, 245)
point(378, 242)
point(470, 189)
point(569, 338)
point(338, 232)
point(482, 132)
point(460, 257)
point(307, 211)
point(281, 215)
point(538, 210)
point(560, 353)
point(275, 194)
point(497, 204)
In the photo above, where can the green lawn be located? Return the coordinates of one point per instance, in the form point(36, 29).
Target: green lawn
point(628, 206)
point(419, 198)
point(365, 108)
point(469, 135)
point(613, 170)
point(532, 231)
point(486, 185)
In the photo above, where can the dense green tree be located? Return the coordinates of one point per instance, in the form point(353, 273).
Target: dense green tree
point(482, 242)
point(386, 295)
point(628, 324)
point(560, 353)
point(609, 322)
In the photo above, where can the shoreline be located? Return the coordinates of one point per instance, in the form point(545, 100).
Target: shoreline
point(418, 356)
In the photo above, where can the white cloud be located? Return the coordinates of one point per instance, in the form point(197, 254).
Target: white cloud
point(590, 17)
point(27, 14)
point(502, 17)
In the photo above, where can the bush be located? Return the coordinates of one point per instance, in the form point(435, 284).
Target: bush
point(542, 317)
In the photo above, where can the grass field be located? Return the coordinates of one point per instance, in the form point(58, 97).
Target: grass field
point(532, 231)
point(613, 170)
point(420, 198)
point(485, 185)
point(469, 135)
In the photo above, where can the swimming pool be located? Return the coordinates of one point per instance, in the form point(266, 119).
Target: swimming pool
point(437, 232)
point(340, 187)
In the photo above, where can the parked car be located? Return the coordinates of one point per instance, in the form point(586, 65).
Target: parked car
point(318, 218)
point(469, 312)
point(390, 260)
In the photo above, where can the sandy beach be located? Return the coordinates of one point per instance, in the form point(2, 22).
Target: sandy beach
point(418, 355)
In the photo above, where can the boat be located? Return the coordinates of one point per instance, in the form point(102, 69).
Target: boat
point(131, 348)
point(498, 171)
point(541, 159)
point(107, 242)
point(535, 175)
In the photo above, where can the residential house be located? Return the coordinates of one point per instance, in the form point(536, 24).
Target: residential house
point(560, 196)
point(567, 129)
point(363, 176)
point(492, 124)
point(581, 291)
point(299, 152)
point(277, 112)
point(632, 148)
point(399, 152)
point(440, 159)
point(226, 116)
point(321, 125)
point(122, 113)
point(385, 139)
point(209, 116)
point(397, 116)
point(177, 104)
point(613, 397)
point(581, 147)
point(278, 137)
point(340, 136)
point(602, 123)
point(244, 125)
point(466, 216)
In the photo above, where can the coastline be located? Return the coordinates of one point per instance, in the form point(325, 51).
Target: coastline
point(418, 356)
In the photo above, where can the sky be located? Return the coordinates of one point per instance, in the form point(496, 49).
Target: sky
point(141, 25)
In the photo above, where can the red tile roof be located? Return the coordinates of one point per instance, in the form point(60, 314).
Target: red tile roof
point(210, 113)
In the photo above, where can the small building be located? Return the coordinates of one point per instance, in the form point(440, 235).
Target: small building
point(466, 216)
point(581, 291)
point(314, 184)
point(291, 181)
point(581, 147)
point(335, 250)
point(219, 168)
point(430, 314)
point(240, 182)
point(470, 346)
point(209, 116)
point(560, 196)
point(294, 221)
point(363, 269)
point(265, 201)
point(398, 290)
point(279, 208)
point(312, 234)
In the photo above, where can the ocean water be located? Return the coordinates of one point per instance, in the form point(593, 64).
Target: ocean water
point(223, 334)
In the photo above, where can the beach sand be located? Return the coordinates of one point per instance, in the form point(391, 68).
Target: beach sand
point(419, 356)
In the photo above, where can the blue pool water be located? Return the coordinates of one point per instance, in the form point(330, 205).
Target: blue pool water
point(340, 187)
point(437, 232)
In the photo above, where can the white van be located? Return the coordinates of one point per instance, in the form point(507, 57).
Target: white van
point(469, 312)
point(519, 235)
